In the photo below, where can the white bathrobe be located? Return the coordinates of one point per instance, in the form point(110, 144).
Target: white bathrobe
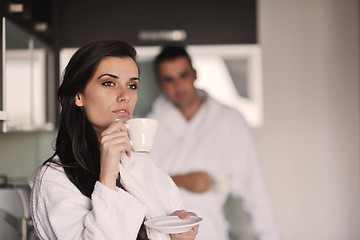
point(218, 141)
point(61, 211)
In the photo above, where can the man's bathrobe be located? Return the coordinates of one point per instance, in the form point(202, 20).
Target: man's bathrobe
point(218, 141)
point(61, 211)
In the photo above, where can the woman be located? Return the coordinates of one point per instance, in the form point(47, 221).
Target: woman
point(84, 191)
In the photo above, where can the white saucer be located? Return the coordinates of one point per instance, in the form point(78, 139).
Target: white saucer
point(172, 224)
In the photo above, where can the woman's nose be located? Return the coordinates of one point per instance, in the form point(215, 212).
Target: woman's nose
point(123, 95)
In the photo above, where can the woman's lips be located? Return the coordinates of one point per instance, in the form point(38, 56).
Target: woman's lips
point(121, 112)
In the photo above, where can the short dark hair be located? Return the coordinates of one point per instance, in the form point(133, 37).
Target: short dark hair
point(170, 52)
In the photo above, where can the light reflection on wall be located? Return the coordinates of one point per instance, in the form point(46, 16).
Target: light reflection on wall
point(232, 75)
point(26, 81)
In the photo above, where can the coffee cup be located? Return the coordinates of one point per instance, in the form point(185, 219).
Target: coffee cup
point(141, 133)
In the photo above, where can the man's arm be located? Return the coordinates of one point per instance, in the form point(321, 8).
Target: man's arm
point(198, 182)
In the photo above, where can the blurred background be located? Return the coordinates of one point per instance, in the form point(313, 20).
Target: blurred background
point(302, 85)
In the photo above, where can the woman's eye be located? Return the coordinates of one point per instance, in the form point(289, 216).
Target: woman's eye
point(133, 86)
point(108, 84)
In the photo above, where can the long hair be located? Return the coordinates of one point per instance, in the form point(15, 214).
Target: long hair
point(77, 144)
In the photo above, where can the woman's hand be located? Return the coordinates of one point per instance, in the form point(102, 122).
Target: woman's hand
point(189, 235)
point(113, 141)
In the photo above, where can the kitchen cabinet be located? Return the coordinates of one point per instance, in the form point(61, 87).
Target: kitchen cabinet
point(27, 99)
point(200, 22)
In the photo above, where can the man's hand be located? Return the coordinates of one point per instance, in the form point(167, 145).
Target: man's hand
point(198, 182)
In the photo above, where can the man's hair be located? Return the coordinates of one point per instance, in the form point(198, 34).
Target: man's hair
point(169, 53)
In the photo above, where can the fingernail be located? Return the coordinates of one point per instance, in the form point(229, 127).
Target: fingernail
point(116, 120)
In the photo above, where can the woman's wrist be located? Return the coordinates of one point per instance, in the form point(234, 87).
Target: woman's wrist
point(110, 182)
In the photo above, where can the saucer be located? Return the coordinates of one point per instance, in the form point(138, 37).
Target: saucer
point(172, 224)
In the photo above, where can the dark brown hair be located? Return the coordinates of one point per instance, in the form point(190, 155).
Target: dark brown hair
point(76, 143)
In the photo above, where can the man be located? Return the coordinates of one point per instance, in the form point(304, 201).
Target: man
point(199, 142)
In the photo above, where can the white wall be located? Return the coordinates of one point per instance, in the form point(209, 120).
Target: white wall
point(309, 144)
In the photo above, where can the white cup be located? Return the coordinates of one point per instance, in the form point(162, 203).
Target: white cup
point(142, 133)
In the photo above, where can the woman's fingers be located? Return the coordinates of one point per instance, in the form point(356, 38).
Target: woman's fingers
point(114, 127)
point(189, 235)
point(116, 136)
point(181, 214)
point(192, 214)
point(114, 140)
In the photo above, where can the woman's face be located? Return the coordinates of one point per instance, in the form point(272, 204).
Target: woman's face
point(111, 93)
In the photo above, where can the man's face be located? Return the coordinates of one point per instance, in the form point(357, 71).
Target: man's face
point(176, 78)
